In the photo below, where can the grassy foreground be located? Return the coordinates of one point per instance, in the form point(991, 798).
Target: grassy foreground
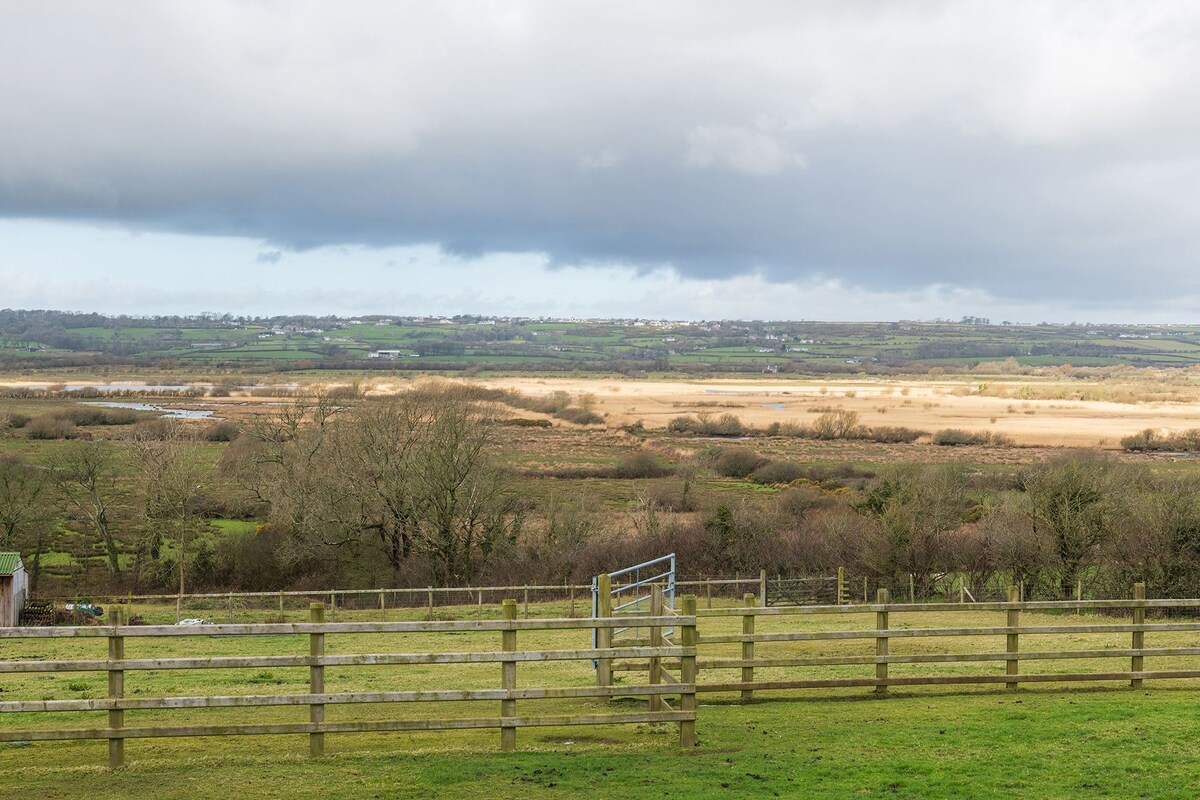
point(1035, 743)
point(1105, 740)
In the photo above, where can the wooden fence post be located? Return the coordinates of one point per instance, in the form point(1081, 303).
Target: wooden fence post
point(572, 615)
point(1013, 645)
point(526, 602)
point(841, 586)
point(508, 678)
point(656, 610)
point(116, 690)
point(881, 641)
point(431, 604)
point(708, 592)
point(604, 636)
point(762, 588)
point(281, 605)
point(866, 596)
point(687, 674)
point(912, 589)
point(332, 606)
point(316, 680)
point(382, 614)
point(230, 603)
point(747, 648)
point(1139, 637)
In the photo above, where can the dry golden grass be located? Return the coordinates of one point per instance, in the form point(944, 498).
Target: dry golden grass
point(1032, 411)
point(1037, 414)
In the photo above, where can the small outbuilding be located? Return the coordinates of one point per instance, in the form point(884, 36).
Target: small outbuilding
point(13, 586)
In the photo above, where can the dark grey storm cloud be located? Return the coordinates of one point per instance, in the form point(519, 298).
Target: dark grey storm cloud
point(1028, 150)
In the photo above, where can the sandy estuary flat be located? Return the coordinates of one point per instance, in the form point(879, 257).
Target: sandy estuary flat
point(924, 404)
point(1031, 412)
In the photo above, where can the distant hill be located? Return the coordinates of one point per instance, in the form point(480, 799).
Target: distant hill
point(50, 339)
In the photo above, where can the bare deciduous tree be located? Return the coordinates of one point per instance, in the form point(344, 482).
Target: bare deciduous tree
point(26, 511)
point(915, 509)
point(413, 473)
point(85, 475)
point(23, 499)
point(172, 482)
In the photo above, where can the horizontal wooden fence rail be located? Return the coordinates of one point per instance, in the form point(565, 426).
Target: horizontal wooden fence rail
point(740, 651)
point(508, 656)
point(428, 597)
point(715, 641)
point(418, 591)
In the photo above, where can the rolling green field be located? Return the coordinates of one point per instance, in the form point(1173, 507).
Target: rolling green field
point(56, 339)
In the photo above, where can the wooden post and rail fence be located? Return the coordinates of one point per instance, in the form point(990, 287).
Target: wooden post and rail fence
point(752, 662)
point(836, 589)
point(509, 656)
point(430, 598)
point(687, 652)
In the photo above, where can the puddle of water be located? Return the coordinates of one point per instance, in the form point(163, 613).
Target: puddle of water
point(773, 406)
point(164, 412)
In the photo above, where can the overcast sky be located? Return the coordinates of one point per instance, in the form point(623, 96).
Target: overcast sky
point(800, 160)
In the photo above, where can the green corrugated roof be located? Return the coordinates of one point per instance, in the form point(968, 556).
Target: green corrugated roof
point(8, 563)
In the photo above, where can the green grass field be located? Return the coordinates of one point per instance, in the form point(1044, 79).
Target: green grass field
point(1047, 744)
point(1100, 740)
point(595, 345)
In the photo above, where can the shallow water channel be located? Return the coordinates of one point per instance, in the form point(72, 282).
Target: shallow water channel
point(164, 412)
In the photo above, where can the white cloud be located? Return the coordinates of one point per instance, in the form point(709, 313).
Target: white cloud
point(1044, 151)
point(753, 152)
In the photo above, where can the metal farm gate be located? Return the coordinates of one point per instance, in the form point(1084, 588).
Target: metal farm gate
point(629, 591)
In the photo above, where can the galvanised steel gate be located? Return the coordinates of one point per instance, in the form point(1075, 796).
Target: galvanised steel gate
point(630, 591)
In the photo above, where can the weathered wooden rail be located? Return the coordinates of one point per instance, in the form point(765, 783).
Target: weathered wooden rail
point(694, 660)
point(750, 660)
point(384, 600)
point(508, 656)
